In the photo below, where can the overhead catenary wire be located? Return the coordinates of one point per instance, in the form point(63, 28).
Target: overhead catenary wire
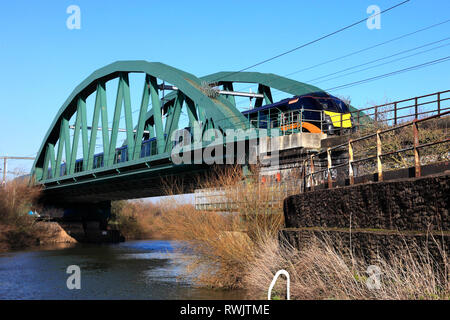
point(379, 59)
point(315, 40)
point(368, 48)
point(362, 81)
point(355, 52)
point(364, 49)
point(419, 66)
point(384, 63)
point(378, 65)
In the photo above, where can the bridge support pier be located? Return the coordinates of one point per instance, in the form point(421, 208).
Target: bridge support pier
point(86, 222)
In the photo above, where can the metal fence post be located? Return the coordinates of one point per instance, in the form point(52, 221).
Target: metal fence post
point(416, 108)
point(303, 184)
point(312, 172)
point(439, 103)
point(359, 124)
point(376, 113)
point(350, 162)
point(395, 113)
point(379, 152)
point(330, 180)
point(416, 150)
point(5, 169)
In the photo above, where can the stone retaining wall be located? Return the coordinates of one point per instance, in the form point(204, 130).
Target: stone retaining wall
point(374, 218)
point(411, 204)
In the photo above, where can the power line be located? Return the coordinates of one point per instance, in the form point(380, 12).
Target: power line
point(368, 48)
point(351, 84)
point(419, 66)
point(381, 64)
point(377, 65)
point(360, 50)
point(316, 40)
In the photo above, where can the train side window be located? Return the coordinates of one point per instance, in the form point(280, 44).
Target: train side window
point(308, 103)
point(341, 105)
point(124, 155)
point(263, 121)
point(62, 171)
point(78, 165)
point(143, 149)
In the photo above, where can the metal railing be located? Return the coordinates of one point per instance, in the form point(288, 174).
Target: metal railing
point(293, 121)
point(309, 171)
point(233, 198)
point(389, 114)
point(401, 111)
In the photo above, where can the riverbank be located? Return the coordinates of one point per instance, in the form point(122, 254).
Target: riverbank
point(18, 229)
point(244, 250)
point(37, 234)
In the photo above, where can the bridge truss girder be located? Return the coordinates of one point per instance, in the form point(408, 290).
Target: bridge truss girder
point(215, 112)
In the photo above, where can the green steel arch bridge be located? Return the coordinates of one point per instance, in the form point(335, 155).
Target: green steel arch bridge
point(67, 181)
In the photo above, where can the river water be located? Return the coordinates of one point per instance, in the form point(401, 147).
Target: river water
point(147, 269)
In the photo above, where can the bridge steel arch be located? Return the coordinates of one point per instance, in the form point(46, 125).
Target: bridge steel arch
point(138, 175)
point(217, 111)
point(266, 82)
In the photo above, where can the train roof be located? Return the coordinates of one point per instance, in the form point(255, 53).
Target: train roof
point(319, 94)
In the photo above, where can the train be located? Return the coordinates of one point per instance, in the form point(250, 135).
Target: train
point(315, 113)
point(148, 148)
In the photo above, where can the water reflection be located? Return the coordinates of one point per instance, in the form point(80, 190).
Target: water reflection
point(130, 270)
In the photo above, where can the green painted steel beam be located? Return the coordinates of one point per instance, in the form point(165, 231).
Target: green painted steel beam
point(116, 120)
point(173, 119)
point(150, 128)
point(269, 80)
point(65, 132)
point(51, 151)
point(128, 116)
point(265, 82)
point(156, 108)
point(46, 162)
point(218, 110)
point(63, 142)
point(81, 107)
point(141, 119)
point(229, 87)
point(94, 127)
point(104, 116)
point(76, 138)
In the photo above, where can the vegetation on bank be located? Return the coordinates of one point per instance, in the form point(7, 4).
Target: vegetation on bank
point(429, 132)
point(242, 250)
point(17, 228)
point(137, 219)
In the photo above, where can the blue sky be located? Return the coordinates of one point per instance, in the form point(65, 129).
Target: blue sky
point(42, 61)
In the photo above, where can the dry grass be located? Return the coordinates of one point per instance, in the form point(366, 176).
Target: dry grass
point(220, 244)
point(218, 249)
point(259, 205)
point(17, 198)
point(241, 250)
point(18, 229)
point(136, 219)
point(324, 272)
